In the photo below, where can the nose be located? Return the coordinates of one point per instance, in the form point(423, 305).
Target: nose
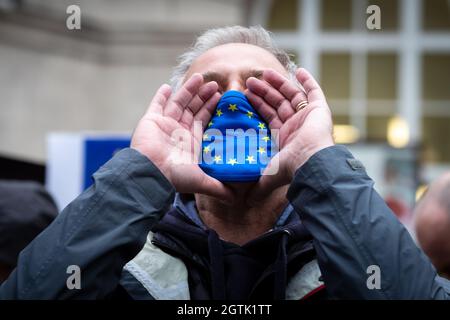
point(237, 85)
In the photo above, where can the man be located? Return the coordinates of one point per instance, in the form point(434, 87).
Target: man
point(314, 229)
point(26, 209)
point(432, 223)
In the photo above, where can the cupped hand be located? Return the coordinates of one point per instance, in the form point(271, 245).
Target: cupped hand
point(300, 133)
point(170, 135)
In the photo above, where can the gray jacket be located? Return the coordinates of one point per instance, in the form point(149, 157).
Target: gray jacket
point(105, 231)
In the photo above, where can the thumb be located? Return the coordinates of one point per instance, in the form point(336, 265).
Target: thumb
point(269, 181)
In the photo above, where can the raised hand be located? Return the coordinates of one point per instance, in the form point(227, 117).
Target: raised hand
point(301, 133)
point(168, 136)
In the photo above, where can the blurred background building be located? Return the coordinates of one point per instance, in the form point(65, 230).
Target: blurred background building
point(389, 89)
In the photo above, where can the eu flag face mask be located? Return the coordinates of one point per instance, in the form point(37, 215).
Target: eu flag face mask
point(236, 144)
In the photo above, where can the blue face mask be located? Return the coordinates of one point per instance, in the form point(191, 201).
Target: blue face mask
point(236, 144)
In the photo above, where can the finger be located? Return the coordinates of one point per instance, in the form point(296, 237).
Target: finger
point(159, 100)
point(205, 92)
point(206, 112)
point(268, 182)
point(267, 112)
point(312, 88)
point(286, 87)
point(289, 127)
point(272, 96)
point(176, 106)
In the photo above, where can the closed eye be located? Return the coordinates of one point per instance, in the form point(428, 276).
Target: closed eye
point(251, 73)
point(221, 80)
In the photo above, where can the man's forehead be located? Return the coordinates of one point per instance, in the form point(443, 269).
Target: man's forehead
point(235, 56)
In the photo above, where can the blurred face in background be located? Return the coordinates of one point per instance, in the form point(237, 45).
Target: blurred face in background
point(432, 224)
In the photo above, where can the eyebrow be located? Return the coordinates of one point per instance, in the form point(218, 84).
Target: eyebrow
point(252, 73)
point(222, 80)
point(215, 76)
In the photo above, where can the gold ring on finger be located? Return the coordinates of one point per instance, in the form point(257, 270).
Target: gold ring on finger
point(301, 105)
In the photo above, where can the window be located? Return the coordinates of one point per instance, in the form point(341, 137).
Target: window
point(362, 82)
point(436, 107)
point(436, 76)
point(377, 128)
point(382, 76)
point(283, 15)
point(389, 14)
point(341, 119)
point(335, 75)
point(436, 138)
point(436, 15)
point(336, 15)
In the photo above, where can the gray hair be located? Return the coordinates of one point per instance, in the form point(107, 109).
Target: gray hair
point(255, 35)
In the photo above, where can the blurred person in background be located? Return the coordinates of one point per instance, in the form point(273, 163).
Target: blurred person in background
point(26, 209)
point(432, 224)
point(316, 228)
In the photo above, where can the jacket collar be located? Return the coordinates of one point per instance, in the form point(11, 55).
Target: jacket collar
point(185, 203)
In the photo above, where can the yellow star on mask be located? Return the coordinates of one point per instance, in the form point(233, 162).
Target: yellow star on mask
point(249, 114)
point(232, 161)
point(250, 159)
point(261, 150)
point(266, 138)
point(205, 136)
point(210, 124)
point(206, 149)
point(262, 126)
point(232, 107)
point(219, 112)
point(217, 159)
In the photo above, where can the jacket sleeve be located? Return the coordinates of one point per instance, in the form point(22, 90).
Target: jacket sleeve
point(99, 232)
point(354, 230)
